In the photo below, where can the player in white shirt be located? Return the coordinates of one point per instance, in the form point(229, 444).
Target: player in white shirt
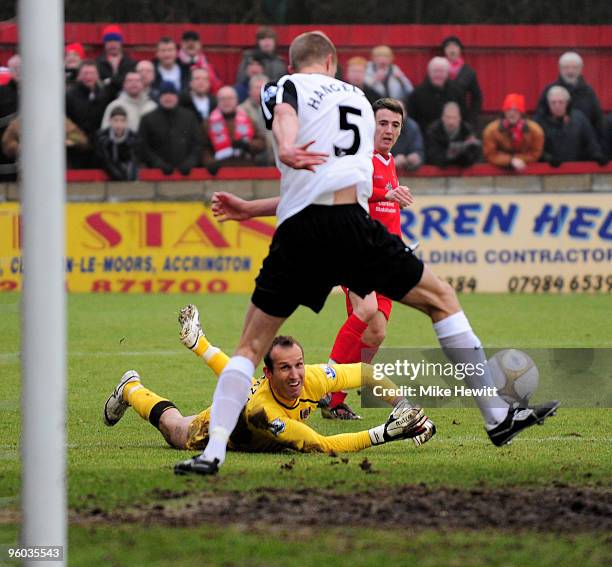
point(323, 133)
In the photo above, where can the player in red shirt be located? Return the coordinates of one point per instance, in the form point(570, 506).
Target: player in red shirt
point(364, 331)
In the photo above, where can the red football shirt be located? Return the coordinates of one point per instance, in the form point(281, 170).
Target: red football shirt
point(385, 179)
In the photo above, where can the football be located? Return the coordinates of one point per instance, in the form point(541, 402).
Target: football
point(515, 376)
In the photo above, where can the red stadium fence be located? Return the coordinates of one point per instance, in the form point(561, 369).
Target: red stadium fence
point(519, 58)
point(271, 173)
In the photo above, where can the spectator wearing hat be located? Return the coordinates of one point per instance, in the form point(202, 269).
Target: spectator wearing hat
point(355, 74)
point(254, 67)
point(191, 55)
point(169, 136)
point(273, 65)
point(233, 139)
point(568, 134)
point(426, 102)
point(74, 54)
point(252, 106)
point(168, 68)
point(385, 77)
point(450, 140)
point(198, 98)
point(116, 147)
point(113, 63)
point(9, 98)
point(582, 95)
point(462, 75)
point(409, 150)
point(513, 141)
point(133, 100)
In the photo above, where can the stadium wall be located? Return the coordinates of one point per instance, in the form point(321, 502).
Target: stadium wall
point(519, 58)
point(546, 233)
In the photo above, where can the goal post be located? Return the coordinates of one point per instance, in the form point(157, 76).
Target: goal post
point(43, 338)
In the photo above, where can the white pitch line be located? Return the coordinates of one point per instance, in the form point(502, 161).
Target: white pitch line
point(15, 356)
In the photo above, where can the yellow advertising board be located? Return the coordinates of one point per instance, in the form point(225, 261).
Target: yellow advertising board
point(544, 243)
point(146, 248)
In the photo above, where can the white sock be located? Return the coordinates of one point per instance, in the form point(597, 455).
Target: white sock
point(231, 395)
point(461, 345)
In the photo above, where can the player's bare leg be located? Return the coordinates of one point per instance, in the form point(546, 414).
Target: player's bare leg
point(376, 332)
point(174, 427)
point(439, 301)
point(158, 411)
point(233, 389)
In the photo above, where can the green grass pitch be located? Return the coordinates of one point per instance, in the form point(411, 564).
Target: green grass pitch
point(115, 469)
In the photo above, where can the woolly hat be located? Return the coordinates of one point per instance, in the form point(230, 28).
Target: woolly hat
point(112, 33)
point(77, 48)
point(516, 101)
point(167, 87)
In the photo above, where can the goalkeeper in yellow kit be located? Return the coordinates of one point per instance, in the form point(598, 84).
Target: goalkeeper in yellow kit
point(280, 403)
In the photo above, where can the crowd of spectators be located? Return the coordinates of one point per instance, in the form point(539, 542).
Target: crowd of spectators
point(174, 113)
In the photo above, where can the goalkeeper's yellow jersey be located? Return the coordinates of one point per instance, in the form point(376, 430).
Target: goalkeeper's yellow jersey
point(270, 423)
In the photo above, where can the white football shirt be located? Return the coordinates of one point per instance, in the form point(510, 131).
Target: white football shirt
point(340, 120)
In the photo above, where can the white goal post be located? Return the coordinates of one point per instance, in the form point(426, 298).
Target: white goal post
point(43, 339)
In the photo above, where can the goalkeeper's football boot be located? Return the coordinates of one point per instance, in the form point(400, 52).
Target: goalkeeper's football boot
point(115, 405)
point(191, 330)
point(197, 465)
point(519, 419)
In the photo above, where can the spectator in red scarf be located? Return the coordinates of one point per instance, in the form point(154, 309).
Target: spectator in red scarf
point(513, 141)
point(191, 54)
point(233, 139)
point(462, 75)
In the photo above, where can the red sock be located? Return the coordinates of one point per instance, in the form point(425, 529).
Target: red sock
point(347, 347)
point(336, 399)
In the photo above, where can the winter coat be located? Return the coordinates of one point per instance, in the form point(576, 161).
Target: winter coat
point(395, 84)
point(571, 138)
point(86, 108)
point(186, 101)
point(185, 76)
point(439, 146)
point(410, 140)
point(117, 157)
point(274, 67)
point(114, 79)
point(135, 108)
point(499, 150)
point(583, 98)
point(426, 102)
point(170, 139)
point(467, 81)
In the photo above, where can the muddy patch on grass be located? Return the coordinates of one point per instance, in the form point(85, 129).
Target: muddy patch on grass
point(558, 509)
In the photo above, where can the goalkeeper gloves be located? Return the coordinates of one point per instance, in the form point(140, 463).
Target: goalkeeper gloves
point(404, 422)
